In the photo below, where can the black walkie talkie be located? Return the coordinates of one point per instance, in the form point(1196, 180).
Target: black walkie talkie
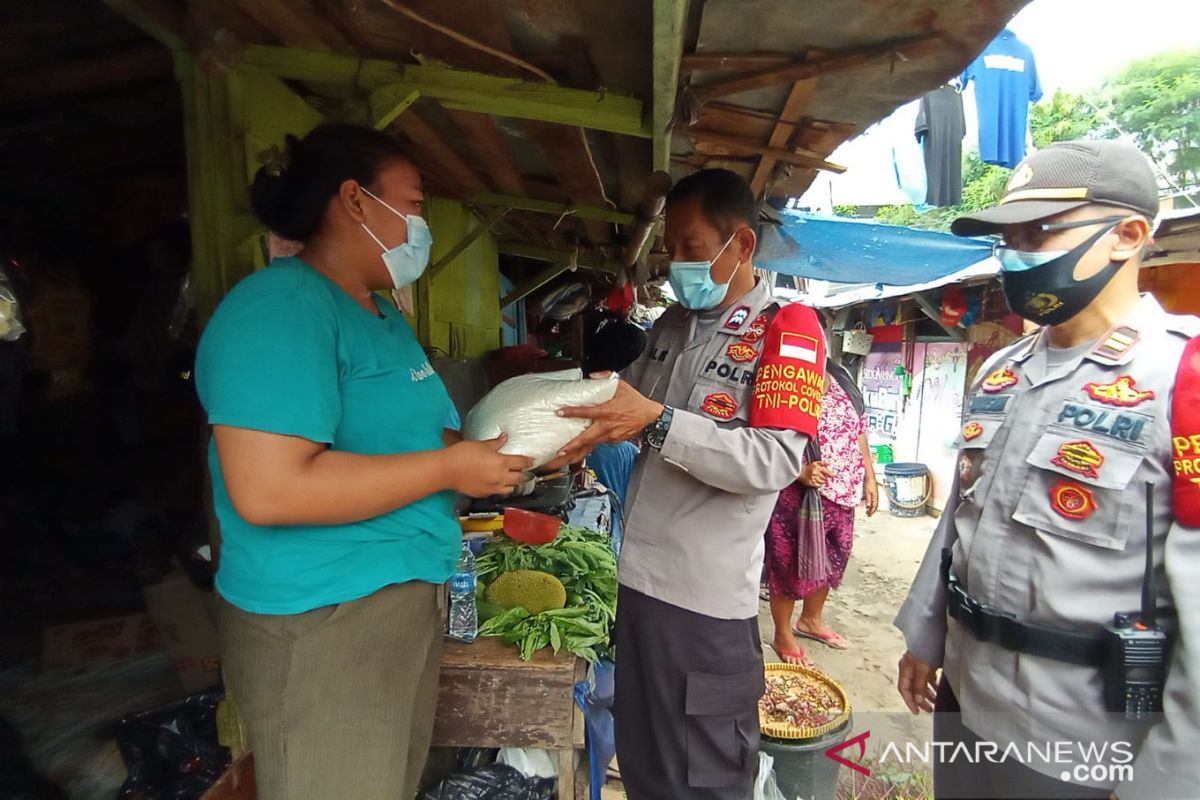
point(1135, 646)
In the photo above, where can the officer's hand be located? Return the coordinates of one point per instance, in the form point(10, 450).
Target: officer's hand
point(871, 493)
point(917, 683)
point(814, 474)
point(619, 420)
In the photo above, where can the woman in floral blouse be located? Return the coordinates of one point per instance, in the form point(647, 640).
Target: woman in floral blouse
point(843, 476)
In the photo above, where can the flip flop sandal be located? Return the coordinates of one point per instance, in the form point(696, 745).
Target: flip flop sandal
point(786, 654)
point(832, 639)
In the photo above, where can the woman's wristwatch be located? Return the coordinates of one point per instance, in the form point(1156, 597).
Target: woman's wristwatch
point(655, 433)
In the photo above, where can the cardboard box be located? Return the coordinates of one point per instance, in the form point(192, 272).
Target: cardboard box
point(185, 618)
point(102, 641)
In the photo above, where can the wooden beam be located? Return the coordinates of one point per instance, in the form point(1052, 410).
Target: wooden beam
point(485, 225)
point(132, 66)
point(533, 284)
point(163, 20)
point(670, 16)
point(934, 313)
point(739, 61)
point(584, 259)
point(779, 154)
point(836, 62)
point(456, 89)
point(554, 209)
point(388, 102)
point(784, 133)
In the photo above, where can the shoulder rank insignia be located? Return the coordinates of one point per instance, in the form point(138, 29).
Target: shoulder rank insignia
point(737, 318)
point(1080, 457)
point(1121, 392)
point(1116, 343)
point(1071, 500)
point(1000, 379)
point(1185, 437)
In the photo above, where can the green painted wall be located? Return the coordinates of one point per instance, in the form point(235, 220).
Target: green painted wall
point(458, 311)
point(230, 121)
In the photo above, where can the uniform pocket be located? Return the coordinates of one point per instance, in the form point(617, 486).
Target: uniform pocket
point(1077, 488)
point(722, 727)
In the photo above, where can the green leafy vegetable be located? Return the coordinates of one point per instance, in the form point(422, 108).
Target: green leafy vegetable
point(583, 560)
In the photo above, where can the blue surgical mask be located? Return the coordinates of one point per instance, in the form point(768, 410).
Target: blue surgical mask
point(405, 262)
point(692, 282)
point(1021, 260)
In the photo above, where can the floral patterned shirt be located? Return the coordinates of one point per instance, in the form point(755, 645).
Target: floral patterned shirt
point(837, 433)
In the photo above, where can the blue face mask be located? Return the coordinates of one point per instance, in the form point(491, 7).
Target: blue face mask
point(405, 262)
point(1021, 260)
point(692, 282)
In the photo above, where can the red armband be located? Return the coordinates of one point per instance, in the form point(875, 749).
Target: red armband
point(1185, 436)
point(790, 383)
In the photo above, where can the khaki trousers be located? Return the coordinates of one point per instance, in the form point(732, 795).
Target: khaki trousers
point(338, 702)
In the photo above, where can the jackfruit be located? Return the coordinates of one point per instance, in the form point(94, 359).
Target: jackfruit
point(532, 590)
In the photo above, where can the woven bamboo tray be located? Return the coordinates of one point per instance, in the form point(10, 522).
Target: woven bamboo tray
point(780, 730)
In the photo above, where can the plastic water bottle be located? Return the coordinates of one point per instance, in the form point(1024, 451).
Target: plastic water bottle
point(464, 616)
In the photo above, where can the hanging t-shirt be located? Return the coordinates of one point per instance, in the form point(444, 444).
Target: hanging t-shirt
point(940, 127)
point(1006, 82)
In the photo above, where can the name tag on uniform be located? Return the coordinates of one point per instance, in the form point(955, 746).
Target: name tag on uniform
point(1126, 426)
point(989, 403)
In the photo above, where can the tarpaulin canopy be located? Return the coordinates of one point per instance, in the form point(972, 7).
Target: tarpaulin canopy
point(859, 251)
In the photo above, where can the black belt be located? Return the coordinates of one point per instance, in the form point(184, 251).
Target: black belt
point(989, 624)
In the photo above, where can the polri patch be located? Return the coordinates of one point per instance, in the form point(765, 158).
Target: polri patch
point(741, 352)
point(1116, 343)
point(972, 430)
point(720, 405)
point(737, 318)
point(1070, 500)
point(755, 330)
point(1000, 379)
point(1127, 426)
point(1081, 457)
point(1121, 392)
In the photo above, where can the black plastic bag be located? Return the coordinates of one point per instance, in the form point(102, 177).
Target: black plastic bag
point(171, 752)
point(494, 782)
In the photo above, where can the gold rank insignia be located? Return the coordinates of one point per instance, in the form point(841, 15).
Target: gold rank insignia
point(1119, 341)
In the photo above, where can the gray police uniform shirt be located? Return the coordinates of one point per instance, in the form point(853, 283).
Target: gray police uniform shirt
point(1047, 521)
point(698, 510)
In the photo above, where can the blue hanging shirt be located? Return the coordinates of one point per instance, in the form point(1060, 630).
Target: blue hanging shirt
point(1006, 82)
point(289, 352)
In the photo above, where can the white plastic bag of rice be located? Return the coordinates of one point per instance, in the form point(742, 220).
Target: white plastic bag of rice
point(524, 407)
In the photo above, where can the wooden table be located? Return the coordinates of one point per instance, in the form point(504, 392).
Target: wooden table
point(489, 697)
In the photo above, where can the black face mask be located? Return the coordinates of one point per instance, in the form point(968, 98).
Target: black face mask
point(1049, 294)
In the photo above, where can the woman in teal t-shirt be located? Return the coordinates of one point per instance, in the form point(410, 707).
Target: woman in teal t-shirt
point(334, 472)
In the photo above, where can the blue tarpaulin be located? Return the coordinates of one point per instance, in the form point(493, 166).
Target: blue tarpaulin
point(860, 251)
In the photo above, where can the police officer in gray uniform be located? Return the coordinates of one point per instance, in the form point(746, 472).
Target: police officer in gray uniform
point(690, 668)
point(1044, 538)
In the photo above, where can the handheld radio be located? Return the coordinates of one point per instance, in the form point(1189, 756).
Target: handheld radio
point(1135, 646)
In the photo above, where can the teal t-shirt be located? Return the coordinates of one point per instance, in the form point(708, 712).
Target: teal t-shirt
point(290, 352)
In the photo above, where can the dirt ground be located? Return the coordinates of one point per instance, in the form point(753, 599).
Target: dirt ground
point(887, 552)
